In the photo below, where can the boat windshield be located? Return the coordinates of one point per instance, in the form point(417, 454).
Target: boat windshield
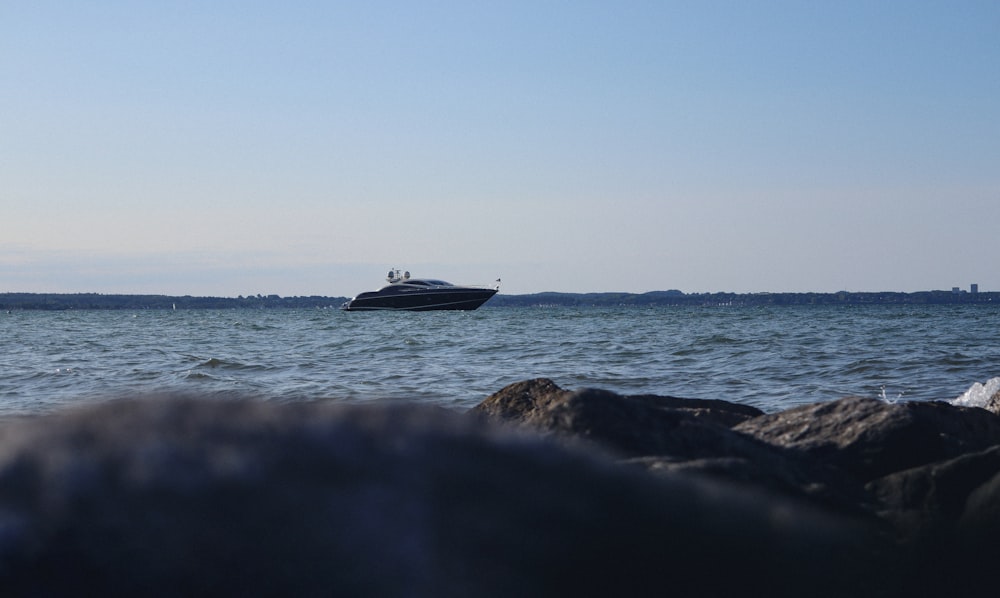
point(427, 282)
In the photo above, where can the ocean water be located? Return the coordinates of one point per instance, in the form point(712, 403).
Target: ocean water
point(772, 358)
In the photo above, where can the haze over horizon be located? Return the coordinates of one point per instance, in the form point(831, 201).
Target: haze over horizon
point(304, 148)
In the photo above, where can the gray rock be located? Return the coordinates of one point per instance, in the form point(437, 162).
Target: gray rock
point(666, 434)
point(527, 401)
point(520, 401)
point(981, 518)
point(947, 520)
point(632, 426)
point(870, 439)
point(926, 503)
point(177, 496)
point(993, 405)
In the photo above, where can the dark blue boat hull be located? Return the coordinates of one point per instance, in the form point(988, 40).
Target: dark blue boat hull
point(403, 298)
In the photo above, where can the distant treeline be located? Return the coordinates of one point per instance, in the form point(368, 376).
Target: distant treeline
point(677, 298)
point(59, 301)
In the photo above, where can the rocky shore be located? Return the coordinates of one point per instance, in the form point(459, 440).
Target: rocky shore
point(538, 491)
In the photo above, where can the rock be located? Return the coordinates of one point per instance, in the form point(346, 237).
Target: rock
point(177, 496)
point(637, 426)
point(993, 405)
point(947, 519)
point(632, 426)
point(606, 495)
point(973, 547)
point(527, 401)
point(981, 519)
point(520, 401)
point(926, 503)
point(666, 434)
point(714, 410)
point(627, 426)
point(870, 439)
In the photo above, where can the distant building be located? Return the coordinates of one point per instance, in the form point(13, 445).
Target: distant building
point(974, 288)
point(956, 290)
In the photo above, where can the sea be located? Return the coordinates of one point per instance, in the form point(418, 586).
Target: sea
point(773, 358)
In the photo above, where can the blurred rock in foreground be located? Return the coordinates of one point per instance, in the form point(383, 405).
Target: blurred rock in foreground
point(538, 492)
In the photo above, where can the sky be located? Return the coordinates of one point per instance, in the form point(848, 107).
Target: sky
point(230, 148)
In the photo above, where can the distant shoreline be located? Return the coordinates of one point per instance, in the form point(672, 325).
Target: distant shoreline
point(673, 298)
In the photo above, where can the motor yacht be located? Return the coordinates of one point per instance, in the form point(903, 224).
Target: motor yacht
point(420, 294)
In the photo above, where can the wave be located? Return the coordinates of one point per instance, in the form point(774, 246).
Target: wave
point(225, 364)
point(978, 394)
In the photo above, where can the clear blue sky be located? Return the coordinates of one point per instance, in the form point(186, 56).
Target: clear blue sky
point(300, 148)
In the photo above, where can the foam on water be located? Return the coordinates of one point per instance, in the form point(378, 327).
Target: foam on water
point(978, 394)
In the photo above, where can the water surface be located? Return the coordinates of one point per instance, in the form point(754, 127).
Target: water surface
point(772, 358)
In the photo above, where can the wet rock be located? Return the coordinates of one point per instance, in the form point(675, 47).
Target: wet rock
point(187, 497)
point(870, 439)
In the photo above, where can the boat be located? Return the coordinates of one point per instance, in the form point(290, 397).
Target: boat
point(420, 294)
